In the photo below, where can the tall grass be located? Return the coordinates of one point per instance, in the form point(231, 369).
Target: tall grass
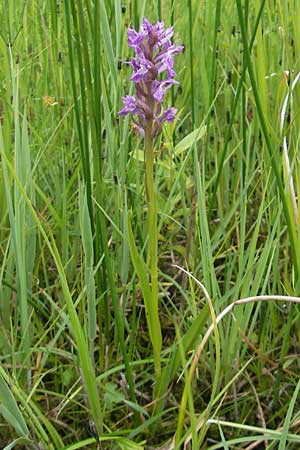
point(77, 365)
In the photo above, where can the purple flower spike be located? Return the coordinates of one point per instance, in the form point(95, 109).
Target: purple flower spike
point(153, 74)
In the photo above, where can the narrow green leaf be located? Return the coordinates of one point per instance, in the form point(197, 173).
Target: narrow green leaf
point(288, 418)
point(10, 410)
point(108, 44)
point(19, 441)
point(87, 242)
point(122, 442)
point(190, 139)
point(151, 310)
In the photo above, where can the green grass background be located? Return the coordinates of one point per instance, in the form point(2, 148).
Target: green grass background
point(74, 343)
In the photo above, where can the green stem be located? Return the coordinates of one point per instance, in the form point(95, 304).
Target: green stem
point(152, 230)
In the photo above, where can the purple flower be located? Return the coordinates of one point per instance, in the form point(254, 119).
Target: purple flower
point(170, 50)
point(168, 115)
point(167, 65)
point(166, 36)
point(130, 105)
point(141, 67)
point(159, 88)
point(134, 38)
point(153, 74)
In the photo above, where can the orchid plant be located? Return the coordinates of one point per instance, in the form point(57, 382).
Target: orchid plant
point(153, 74)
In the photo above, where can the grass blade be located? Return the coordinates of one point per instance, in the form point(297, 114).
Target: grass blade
point(10, 410)
point(288, 419)
point(151, 310)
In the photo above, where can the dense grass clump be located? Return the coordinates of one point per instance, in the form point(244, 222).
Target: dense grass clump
point(79, 367)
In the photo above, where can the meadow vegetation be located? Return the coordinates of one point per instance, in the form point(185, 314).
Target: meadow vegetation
point(77, 364)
